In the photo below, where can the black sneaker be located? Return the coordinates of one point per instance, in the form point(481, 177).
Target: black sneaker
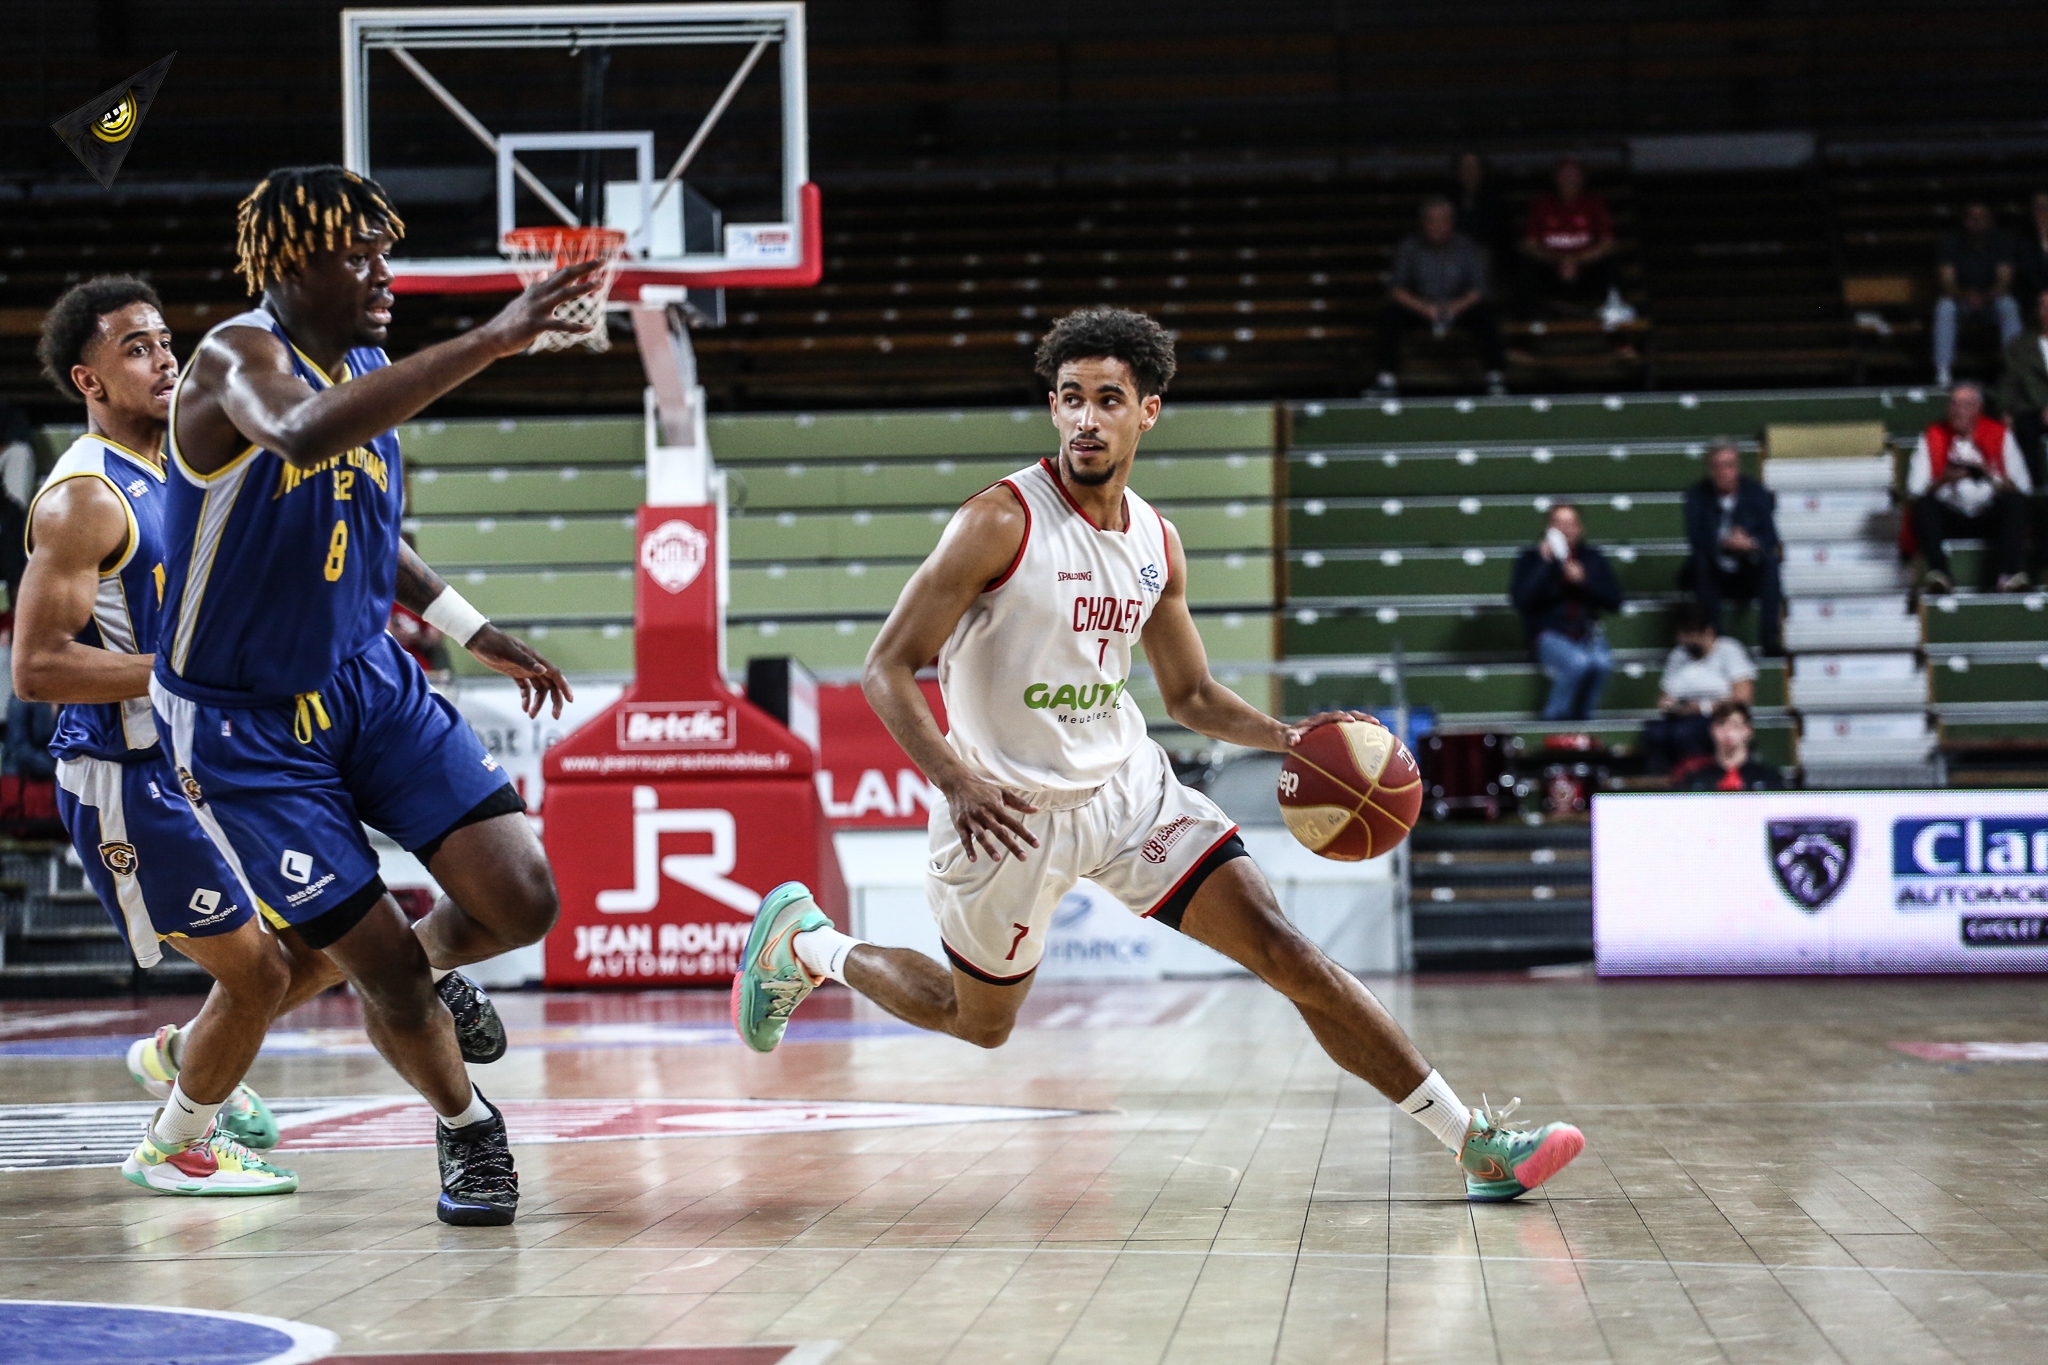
point(477, 1026)
point(479, 1187)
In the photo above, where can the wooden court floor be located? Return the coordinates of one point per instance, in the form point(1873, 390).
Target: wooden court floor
point(1770, 1176)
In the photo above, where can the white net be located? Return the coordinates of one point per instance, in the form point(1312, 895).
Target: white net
point(539, 252)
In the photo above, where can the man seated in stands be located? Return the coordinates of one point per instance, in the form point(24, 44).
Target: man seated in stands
point(1704, 669)
point(1568, 245)
point(1731, 769)
point(1440, 279)
point(1967, 479)
point(2023, 390)
point(1731, 528)
point(1975, 267)
point(1561, 585)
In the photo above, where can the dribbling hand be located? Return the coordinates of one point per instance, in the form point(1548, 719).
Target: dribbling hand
point(982, 811)
point(1295, 732)
point(533, 312)
point(540, 682)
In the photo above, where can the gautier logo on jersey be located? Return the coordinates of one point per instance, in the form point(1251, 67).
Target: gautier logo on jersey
point(678, 725)
point(1048, 696)
point(674, 554)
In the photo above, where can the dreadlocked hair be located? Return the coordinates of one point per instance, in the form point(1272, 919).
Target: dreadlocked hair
point(298, 210)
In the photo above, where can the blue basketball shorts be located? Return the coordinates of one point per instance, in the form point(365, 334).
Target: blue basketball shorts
point(293, 785)
point(147, 856)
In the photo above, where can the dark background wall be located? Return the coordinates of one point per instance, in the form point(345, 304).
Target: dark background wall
point(975, 84)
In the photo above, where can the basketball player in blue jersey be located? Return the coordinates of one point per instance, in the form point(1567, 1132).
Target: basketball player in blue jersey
point(89, 600)
point(292, 716)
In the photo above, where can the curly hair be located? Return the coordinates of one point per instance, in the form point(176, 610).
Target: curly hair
point(298, 210)
point(1116, 333)
point(74, 320)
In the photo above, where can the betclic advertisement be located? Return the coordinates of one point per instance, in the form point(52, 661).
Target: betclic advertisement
point(1737, 883)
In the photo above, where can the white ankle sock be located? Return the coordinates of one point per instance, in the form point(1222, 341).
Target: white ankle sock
point(183, 1120)
point(438, 974)
point(824, 951)
point(175, 1044)
point(1435, 1106)
point(477, 1112)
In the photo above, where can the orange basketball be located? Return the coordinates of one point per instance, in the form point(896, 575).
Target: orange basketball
point(1350, 790)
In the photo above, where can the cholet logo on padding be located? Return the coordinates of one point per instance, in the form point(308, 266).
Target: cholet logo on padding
point(673, 554)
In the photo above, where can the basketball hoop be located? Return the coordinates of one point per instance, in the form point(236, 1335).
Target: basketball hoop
point(539, 252)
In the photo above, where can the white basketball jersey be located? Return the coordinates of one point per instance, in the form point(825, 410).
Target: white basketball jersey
point(1034, 673)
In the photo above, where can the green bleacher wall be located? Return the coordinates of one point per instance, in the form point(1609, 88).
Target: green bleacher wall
point(1397, 524)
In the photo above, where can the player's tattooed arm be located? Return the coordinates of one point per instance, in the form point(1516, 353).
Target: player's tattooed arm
point(79, 529)
point(243, 389)
point(979, 546)
point(541, 684)
point(1180, 667)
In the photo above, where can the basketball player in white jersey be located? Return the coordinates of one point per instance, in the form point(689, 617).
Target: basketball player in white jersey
point(1031, 602)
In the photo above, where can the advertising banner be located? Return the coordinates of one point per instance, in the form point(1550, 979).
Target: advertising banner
point(863, 777)
point(1933, 881)
point(671, 811)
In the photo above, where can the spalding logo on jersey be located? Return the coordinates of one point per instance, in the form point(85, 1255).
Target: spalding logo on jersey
point(673, 554)
point(119, 857)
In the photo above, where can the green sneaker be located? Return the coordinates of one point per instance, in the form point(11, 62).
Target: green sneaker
point(248, 1120)
point(1503, 1163)
point(771, 982)
point(244, 1117)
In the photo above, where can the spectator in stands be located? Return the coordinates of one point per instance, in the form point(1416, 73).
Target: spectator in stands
point(2023, 391)
point(2030, 258)
point(1732, 768)
point(1975, 267)
point(1568, 245)
point(1440, 278)
point(1967, 479)
point(1704, 669)
point(1476, 198)
point(1561, 585)
point(1731, 527)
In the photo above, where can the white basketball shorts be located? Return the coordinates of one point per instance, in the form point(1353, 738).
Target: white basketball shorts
point(1142, 837)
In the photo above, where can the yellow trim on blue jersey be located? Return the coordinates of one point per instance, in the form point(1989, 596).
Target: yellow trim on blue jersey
point(197, 575)
point(277, 920)
point(153, 466)
point(134, 537)
point(171, 440)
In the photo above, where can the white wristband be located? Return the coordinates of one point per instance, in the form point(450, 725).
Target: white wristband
point(454, 617)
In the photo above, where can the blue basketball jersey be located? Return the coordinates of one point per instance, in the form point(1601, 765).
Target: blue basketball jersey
point(278, 575)
point(130, 599)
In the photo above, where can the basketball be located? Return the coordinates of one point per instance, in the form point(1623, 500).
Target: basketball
point(1350, 790)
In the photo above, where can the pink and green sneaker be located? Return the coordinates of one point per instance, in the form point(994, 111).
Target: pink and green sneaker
point(1503, 1163)
point(214, 1165)
point(771, 982)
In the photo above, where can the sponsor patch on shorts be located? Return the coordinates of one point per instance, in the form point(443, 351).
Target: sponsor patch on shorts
point(1165, 837)
point(119, 857)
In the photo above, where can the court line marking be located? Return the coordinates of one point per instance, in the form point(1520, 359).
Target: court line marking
point(309, 1343)
point(121, 1258)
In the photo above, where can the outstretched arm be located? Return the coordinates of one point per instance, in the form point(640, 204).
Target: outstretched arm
point(540, 682)
point(1181, 668)
point(979, 546)
point(260, 400)
point(78, 527)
